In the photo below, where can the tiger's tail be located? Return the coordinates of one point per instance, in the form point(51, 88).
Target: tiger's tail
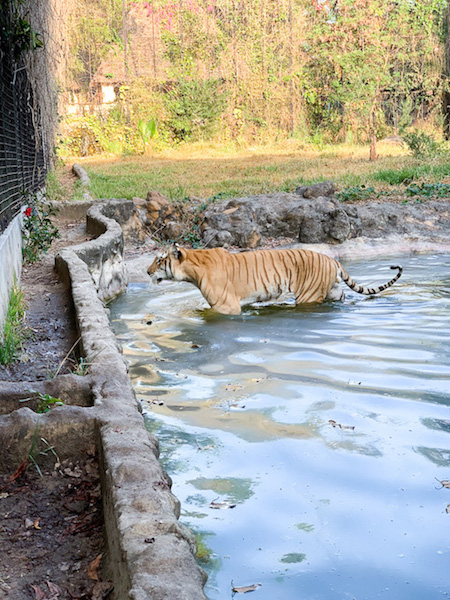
point(369, 291)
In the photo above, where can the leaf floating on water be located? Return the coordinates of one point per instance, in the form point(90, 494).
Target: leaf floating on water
point(208, 447)
point(444, 482)
point(344, 427)
point(246, 588)
point(224, 504)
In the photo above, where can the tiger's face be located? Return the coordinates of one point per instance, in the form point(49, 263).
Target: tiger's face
point(165, 265)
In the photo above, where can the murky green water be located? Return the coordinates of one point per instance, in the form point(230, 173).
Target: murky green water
point(328, 428)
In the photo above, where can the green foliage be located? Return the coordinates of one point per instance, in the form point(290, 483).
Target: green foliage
point(371, 63)
point(38, 230)
point(429, 190)
point(94, 33)
point(94, 134)
point(147, 130)
point(397, 176)
point(193, 108)
point(14, 332)
point(45, 402)
point(54, 191)
point(422, 145)
point(408, 174)
point(360, 192)
point(337, 71)
point(34, 455)
point(16, 32)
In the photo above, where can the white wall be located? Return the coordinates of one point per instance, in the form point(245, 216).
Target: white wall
point(10, 263)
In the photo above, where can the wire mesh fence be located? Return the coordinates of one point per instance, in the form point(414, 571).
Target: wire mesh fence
point(22, 159)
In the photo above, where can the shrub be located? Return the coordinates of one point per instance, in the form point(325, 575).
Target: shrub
point(194, 107)
point(422, 145)
point(38, 229)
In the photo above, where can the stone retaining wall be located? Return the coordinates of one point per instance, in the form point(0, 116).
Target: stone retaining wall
point(151, 552)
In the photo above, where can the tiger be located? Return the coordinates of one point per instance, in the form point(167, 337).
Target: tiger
point(229, 281)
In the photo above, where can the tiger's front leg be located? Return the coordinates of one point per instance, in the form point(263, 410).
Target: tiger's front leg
point(230, 307)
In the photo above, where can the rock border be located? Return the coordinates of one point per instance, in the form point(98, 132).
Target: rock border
point(152, 553)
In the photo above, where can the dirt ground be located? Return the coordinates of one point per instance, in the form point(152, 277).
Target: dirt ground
point(49, 323)
point(51, 533)
point(51, 521)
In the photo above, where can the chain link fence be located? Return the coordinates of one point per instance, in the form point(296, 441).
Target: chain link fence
point(23, 164)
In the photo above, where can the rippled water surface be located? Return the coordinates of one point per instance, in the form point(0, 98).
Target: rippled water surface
point(327, 426)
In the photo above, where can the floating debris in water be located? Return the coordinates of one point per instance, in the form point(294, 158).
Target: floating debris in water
point(244, 589)
point(444, 483)
point(335, 424)
point(219, 505)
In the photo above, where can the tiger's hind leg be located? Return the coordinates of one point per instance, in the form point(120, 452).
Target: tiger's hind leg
point(335, 293)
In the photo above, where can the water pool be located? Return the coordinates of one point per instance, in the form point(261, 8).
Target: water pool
point(327, 427)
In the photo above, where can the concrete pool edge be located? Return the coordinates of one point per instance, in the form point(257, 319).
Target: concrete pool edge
point(151, 553)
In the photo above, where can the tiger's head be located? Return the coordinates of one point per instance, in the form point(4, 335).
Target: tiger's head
point(167, 265)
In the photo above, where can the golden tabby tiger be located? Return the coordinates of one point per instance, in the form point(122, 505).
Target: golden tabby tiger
point(229, 281)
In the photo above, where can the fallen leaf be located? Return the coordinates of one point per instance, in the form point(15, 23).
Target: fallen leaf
point(75, 472)
point(55, 591)
point(38, 593)
point(230, 211)
point(36, 523)
point(28, 523)
point(20, 469)
point(3, 495)
point(101, 590)
point(246, 588)
point(93, 568)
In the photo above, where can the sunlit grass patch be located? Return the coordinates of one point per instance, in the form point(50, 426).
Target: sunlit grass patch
point(207, 171)
point(13, 331)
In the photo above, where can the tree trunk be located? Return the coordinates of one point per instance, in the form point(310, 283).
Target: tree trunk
point(373, 134)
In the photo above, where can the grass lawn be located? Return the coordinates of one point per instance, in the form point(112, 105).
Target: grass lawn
point(207, 172)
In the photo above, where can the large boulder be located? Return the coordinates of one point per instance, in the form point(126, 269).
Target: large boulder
point(311, 214)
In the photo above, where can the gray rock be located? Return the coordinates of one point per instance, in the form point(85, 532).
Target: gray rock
point(326, 188)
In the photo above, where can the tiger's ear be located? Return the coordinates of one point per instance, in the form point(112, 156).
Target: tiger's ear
point(177, 252)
